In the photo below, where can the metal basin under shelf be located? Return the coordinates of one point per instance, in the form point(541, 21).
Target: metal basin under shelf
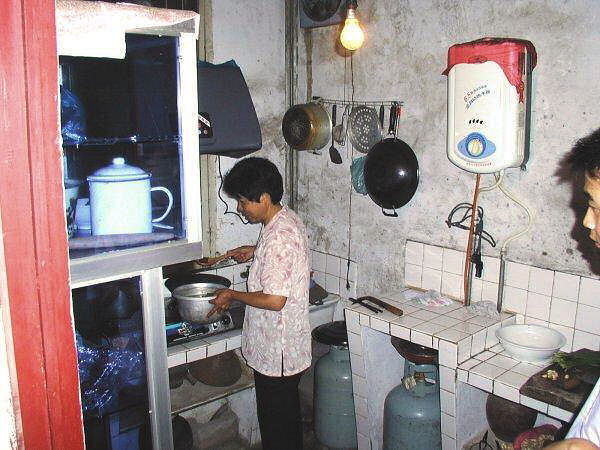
point(189, 396)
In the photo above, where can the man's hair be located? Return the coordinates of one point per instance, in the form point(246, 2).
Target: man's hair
point(585, 155)
point(252, 177)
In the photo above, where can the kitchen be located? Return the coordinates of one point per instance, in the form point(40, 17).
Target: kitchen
point(405, 51)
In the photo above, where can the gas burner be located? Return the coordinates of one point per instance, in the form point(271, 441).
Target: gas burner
point(179, 331)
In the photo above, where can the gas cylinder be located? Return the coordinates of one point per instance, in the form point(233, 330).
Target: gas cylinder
point(411, 414)
point(334, 420)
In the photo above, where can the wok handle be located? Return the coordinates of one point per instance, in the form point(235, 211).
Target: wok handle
point(392, 128)
point(395, 214)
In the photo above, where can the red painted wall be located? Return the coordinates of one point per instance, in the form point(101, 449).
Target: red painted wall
point(35, 239)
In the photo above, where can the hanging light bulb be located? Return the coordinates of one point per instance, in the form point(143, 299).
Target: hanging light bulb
point(352, 36)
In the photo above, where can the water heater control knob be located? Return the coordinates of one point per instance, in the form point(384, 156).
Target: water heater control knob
point(475, 144)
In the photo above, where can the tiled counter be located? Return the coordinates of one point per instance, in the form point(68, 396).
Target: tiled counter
point(455, 332)
point(203, 348)
point(495, 372)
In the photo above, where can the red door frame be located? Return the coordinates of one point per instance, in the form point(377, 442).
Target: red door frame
point(33, 226)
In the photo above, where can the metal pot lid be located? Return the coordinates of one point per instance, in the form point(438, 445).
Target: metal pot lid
point(415, 353)
point(332, 333)
point(119, 171)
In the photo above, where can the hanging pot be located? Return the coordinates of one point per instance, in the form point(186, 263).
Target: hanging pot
point(306, 126)
point(391, 171)
point(120, 200)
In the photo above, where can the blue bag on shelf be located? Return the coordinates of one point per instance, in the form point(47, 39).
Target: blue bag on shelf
point(72, 118)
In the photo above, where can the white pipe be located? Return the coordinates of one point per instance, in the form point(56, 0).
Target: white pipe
point(499, 176)
point(512, 237)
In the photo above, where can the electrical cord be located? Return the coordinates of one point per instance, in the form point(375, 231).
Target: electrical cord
point(223, 200)
point(466, 216)
point(351, 159)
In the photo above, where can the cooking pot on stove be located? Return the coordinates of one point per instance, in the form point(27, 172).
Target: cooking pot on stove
point(120, 200)
point(195, 277)
point(193, 294)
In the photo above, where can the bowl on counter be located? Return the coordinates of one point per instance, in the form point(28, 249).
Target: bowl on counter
point(530, 343)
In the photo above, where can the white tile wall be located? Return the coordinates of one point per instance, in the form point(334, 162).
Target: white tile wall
point(432, 257)
point(538, 306)
point(333, 274)
point(540, 281)
point(589, 292)
point(566, 286)
point(517, 275)
point(566, 302)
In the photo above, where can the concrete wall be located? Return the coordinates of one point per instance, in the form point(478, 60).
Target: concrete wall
point(255, 38)
point(403, 57)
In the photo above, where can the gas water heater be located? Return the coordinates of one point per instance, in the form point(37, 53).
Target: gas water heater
point(489, 103)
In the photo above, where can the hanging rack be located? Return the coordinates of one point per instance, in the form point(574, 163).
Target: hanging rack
point(330, 101)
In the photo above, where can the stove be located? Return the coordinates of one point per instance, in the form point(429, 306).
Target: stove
point(179, 331)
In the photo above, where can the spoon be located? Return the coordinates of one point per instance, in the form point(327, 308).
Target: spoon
point(338, 131)
point(334, 155)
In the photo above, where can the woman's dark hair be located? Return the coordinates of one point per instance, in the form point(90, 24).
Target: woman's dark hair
point(252, 177)
point(585, 155)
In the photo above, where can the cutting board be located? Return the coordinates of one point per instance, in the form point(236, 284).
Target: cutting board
point(551, 392)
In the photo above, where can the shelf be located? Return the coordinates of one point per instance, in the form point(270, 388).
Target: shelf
point(188, 397)
point(105, 266)
point(105, 141)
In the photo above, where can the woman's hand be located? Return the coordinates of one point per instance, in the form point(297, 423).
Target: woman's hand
point(221, 302)
point(241, 254)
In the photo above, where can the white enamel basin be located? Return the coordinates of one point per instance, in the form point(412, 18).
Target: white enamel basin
point(531, 343)
point(320, 314)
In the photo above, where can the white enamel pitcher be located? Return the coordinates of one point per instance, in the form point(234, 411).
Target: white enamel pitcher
point(120, 200)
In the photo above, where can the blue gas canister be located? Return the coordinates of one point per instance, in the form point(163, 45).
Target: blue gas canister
point(411, 417)
point(334, 420)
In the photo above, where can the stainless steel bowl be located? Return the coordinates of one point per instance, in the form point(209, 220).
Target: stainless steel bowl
point(193, 301)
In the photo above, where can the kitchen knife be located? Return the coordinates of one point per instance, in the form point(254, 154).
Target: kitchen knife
point(384, 305)
point(366, 305)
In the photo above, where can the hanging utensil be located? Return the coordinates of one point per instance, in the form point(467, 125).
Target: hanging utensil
point(340, 131)
point(364, 129)
point(306, 126)
point(334, 155)
point(391, 170)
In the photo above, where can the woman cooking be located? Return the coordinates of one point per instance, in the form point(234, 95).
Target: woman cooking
point(276, 340)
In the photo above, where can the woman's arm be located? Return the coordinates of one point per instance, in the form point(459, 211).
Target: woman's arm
point(256, 299)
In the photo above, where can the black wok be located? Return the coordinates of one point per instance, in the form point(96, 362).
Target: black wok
point(391, 171)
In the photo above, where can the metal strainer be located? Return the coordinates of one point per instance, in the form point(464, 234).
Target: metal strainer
point(364, 129)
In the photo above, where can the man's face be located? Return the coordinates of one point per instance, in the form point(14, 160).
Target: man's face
point(592, 216)
point(254, 212)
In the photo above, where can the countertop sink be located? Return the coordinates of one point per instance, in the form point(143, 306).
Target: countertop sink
point(530, 343)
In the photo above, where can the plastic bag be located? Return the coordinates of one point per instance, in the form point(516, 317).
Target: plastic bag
point(106, 371)
point(358, 178)
point(484, 308)
point(72, 118)
point(431, 298)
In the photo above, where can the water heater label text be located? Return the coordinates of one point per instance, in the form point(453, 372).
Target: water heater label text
point(475, 94)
